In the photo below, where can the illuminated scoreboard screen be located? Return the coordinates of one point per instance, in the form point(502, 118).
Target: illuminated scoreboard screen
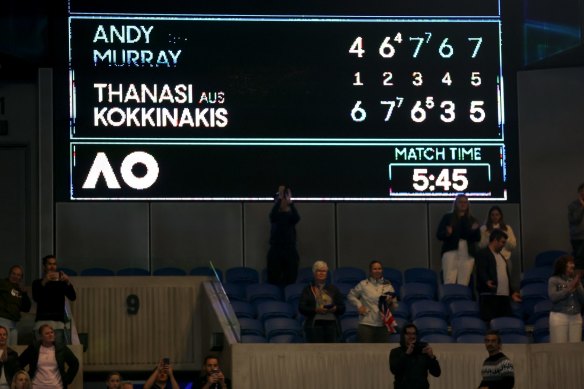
point(359, 102)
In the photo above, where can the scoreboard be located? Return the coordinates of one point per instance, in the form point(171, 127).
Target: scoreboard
point(355, 101)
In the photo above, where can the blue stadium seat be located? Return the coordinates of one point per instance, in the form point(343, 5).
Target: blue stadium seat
point(394, 276)
point(428, 308)
point(540, 309)
point(348, 275)
point(133, 271)
point(282, 326)
point(292, 293)
point(508, 325)
point(468, 325)
point(287, 338)
point(344, 288)
point(305, 275)
point(242, 276)
point(348, 327)
point(97, 271)
point(69, 272)
point(437, 338)
point(253, 339)
point(470, 338)
point(269, 309)
point(251, 327)
point(541, 330)
point(532, 294)
point(244, 309)
point(454, 292)
point(422, 275)
point(206, 271)
point(548, 257)
point(169, 271)
point(235, 292)
point(431, 325)
point(536, 274)
point(350, 311)
point(402, 310)
point(258, 293)
point(413, 291)
point(514, 339)
point(461, 308)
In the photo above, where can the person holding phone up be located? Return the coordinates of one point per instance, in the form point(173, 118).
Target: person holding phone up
point(49, 293)
point(412, 360)
point(211, 375)
point(162, 374)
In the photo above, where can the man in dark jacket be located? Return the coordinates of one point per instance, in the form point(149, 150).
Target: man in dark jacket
point(493, 280)
point(412, 360)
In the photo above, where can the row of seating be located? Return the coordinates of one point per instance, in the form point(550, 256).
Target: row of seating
point(430, 329)
point(137, 271)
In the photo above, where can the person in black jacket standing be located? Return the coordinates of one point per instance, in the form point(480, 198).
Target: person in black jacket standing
point(51, 365)
point(459, 232)
point(49, 293)
point(283, 257)
point(493, 279)
point(411, 362)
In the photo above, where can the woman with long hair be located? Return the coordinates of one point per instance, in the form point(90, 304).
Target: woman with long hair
point(567, 295)
point(459, 232)
point(21, 380)
point(496, 221)
point(8, 360)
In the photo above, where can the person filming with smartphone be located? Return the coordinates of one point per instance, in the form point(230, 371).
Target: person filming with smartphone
point(49, 293)
point(412, 360)
point(162, 376)
point(211, 375)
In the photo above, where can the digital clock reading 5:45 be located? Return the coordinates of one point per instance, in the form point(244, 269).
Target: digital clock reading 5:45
point(446, 179)
point(439, 180)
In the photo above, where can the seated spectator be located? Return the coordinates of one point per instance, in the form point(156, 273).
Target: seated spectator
point(8, 360)
point(321, 305)
point(21, 380)
point(211, 375)
point(50, 365)
point(161, 375)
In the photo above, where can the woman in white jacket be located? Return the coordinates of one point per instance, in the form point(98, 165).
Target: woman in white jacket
point(367, 296)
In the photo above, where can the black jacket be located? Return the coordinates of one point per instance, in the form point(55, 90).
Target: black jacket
point(11, 366)
point(460, 230)
point(411, 371)
point(64, 356)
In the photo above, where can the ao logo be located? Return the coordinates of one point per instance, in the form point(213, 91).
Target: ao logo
point(101, 166)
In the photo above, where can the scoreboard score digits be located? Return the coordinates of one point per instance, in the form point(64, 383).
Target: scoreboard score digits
point(342, 106)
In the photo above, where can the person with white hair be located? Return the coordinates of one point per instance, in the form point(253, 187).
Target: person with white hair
point(321, 304)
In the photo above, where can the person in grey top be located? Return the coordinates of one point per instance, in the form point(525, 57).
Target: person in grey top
point(576, 223)
point(567, 295)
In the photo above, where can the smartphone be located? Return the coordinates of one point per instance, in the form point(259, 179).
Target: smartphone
point(166, 361)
